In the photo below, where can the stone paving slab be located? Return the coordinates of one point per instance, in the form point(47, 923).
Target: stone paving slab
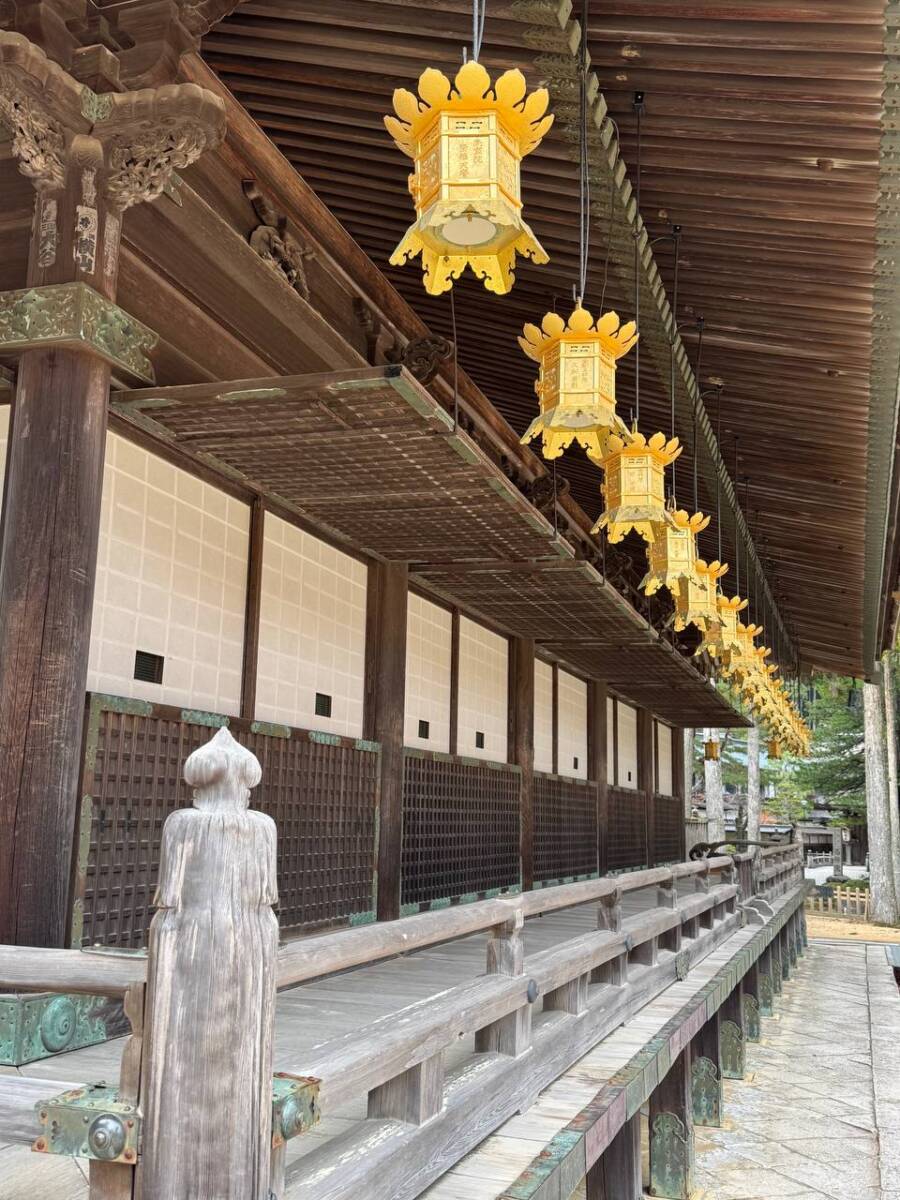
point(818, 1116)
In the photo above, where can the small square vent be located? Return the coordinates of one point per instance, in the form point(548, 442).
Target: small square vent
point(148, 667)
point(323, 704)
point(479, 740)
point(424, 729)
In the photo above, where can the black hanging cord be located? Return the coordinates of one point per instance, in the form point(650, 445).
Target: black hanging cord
point(478, 7)
point(676, 238)
point(455, 361)
point(737, 549)
point(639, 112)
point(700, 325)
point(584, 180)
point(718, 469)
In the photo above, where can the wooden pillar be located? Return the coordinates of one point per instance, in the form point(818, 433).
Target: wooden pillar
point(732, 1034)
point(645, 779)
point(383, 715)
point(706, 1075)
point(616, 1175)
point(597, 766)
point(73, 334)
point(765, 993)
point(211, 989)
point(250, 664)
point(555, 720)
point(454, 682)
point(678, 789)
point(672, 1132)
point(521, 745)
point(752, 1029)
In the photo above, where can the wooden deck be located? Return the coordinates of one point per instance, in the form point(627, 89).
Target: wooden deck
point(307, 1016)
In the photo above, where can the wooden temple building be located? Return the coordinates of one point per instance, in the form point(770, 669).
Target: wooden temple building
point(256, 477)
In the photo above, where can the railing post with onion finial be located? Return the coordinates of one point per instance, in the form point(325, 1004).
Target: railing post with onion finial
point(211, 989)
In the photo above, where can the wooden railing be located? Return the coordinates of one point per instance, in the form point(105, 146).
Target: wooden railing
point(202, 1011)
point(849, 902)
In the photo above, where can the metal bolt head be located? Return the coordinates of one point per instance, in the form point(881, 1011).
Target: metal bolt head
point(106, 1137)
point(532, 992)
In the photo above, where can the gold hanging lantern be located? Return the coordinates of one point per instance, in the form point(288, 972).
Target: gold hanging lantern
point(696, 598)
point(467, 140)
point(723, 642)
point(672, 551)
point(634, 484)
point(711, 750)
point(576, 385)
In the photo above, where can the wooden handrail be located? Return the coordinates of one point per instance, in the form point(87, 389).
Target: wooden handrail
point(91, 972)
point(356, 1063)
point(314, 957)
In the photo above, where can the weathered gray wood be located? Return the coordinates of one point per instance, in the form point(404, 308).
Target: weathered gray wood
point(753, 794)
point(570, 998)
point(390, 1160)
point(18, 1096)
point(211, 998)
point(616, 1175)
point(115, 1181)
point(27, 968)
point(885, 909)
point(511, 1034)
point(413, 1097)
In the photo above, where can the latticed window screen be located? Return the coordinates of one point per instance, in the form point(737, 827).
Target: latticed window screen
point(669, 819)
point(321, 796)
point(565, 828)
point(460, 828)
point(627, 839)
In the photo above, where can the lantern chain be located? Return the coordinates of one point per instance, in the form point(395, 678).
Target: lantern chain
point(478, 9)
point(584, 198)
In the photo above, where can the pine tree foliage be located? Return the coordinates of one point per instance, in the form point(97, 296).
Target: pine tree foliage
point(835, 769)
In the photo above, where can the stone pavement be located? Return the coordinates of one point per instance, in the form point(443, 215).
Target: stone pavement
point(819, 1112)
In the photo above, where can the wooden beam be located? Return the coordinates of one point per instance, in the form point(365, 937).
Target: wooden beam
point(597, 766)
point(250, 663)
point(555, 718)
point(521, 745)
point(454, 681)
point(384, 698)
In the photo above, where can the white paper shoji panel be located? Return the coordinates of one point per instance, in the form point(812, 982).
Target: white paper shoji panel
point(610, 741)
point(171, 580)
point(543, 716)
point(429, 635)
point(628, 756)
point(483, 684)
point(312, 632)
point(664, 735)
point(572, 726)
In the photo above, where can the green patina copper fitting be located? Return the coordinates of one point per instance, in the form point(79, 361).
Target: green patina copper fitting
point(732, 1050)
point(36, 1026)
point(671, 1158)
point(89, 1122)
point(706, 1092)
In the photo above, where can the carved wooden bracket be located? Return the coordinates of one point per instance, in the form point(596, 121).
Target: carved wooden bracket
point(274, 244)
point(380, 340)
point(144, 136)
point(422, 357)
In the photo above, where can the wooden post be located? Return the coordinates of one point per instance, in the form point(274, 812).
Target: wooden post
point(521, 745)
point(706, 1075)
point(777, 968)
point(211, 989)
point(250, 664)
point(506, 956)
point(554, 709)
point(385, 695)
point(597, 767)
point(678, 789)
point(609, 917)
point(672, 1132)
point(86, 175)
point(752, 1030)
point(616, 1175)
point(732, 1034)
point(645, 777)
point(766, 994)
point(453, 744)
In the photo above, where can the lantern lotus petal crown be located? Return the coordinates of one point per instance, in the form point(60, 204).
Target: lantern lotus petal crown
point(576, 385)
point(525, 116)
point(467, 139)
point(616, 338)
point(696, 523)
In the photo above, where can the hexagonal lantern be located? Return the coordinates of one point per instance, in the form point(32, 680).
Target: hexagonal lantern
point(576, 386)
point(467, 140)
point(696, 598)
point(635, 484)
point(672, 551)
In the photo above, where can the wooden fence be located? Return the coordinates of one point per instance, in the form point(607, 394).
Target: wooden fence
point(845, 902)
point(197, 1112)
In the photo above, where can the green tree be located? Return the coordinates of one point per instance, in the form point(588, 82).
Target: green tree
point(835, 769)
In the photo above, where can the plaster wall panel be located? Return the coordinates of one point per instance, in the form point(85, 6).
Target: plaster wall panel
point(628, 755)
point(429, 634)
point(664, 736)
point(572, 726)
point(171, 583)
point(543, 716)
point(483, 687)
point(312, 632)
